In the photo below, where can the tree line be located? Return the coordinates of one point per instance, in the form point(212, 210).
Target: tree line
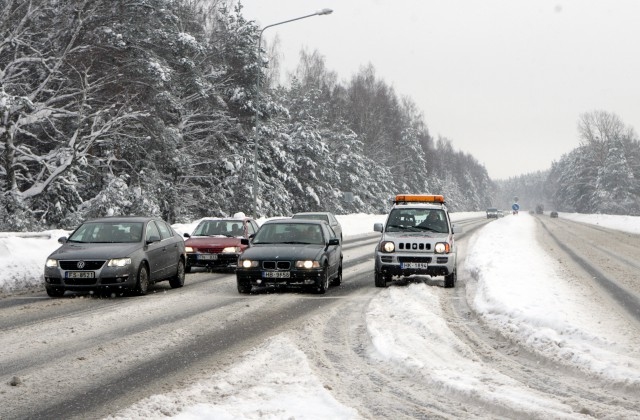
point(600, 176)
point(149, 107)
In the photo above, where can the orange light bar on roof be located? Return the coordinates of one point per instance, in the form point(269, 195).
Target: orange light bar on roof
point(419, 198)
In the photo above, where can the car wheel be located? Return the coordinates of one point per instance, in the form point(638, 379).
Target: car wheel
point(324, 283)
point(142, 286)
point(244, 287)
point(450, 280)
point(55, 291)
point(338, 279)
point(381, 280)
point(178, 280)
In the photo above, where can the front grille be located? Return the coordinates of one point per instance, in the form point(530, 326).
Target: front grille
point(88, 264)
point(276, 265)
point(210, 250)
point(415, 259)
point(414, 246)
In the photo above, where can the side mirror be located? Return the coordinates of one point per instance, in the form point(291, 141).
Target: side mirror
point(62, 240)
point(244, 241)
point(334, 241)
point(152, 239)
point(377, 227)
point(186, 235)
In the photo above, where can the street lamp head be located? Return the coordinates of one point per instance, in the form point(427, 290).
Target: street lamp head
point(324, 12)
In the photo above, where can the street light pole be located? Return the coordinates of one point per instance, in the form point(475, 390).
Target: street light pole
point(257, 102)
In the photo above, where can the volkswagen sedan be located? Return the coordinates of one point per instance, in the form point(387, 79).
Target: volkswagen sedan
point(116, 254)
point(291, 253)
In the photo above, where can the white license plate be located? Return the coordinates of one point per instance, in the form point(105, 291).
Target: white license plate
point(276, 274)
point(415, 265)
point(207, 256)
point(80, 274)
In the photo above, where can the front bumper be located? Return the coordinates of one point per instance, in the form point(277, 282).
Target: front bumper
point(212, 260)
point(116, 278)
point(399, 264)
point(297, 278)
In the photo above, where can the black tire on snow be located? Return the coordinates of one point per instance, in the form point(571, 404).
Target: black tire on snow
point(450, 280)
point(322, 287)
point(338, 279)
point(178, 279)
point(244, 288)
point(142, 285)
point(381, 281)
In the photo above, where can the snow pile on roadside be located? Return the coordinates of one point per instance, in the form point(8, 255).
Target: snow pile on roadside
point(523, 293)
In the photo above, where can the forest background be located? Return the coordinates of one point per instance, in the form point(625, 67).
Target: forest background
point(150, 107)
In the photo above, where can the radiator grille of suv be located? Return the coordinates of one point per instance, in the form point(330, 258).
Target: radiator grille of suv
point(414, 246)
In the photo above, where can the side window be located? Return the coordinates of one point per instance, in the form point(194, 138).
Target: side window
point(152, 231)
point(165, 231)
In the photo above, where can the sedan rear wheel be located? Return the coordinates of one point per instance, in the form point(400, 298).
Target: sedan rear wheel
point(143, 280)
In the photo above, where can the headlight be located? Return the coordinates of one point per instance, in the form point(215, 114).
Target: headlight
point(119, 262)
point(188, 249)
point(307, 264)
point(51, 262)
point(387, 246)
point(442, 248)
point(231, 249)
point(248, 263)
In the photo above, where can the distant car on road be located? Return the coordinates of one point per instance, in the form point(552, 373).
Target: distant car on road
point(326, 216)
point(116, 254)
point(553, 215)
point(291, 253)
point(492, 213)
point(216, 242)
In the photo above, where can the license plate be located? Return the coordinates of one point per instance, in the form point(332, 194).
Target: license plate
point(80, 274)
point(208, 256)
point(276, 274)
point(415, 265)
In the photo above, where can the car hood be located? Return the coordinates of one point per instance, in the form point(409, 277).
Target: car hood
point(284, 252)
point(414, 235)
point(74, 251)
point(212, 241)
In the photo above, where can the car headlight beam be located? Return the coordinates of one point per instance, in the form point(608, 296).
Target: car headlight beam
point(51, 262)
point(442, 248)
point(248, 263)
point(119, 262)
point(387, 246)
point(307, 264)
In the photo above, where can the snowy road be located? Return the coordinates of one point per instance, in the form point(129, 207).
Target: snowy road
point(91, 358)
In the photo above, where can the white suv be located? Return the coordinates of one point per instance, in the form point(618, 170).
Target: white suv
point(417, 238)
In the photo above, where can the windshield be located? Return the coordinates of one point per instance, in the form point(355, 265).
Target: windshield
point(289, 233)
point(417, 220)
point(312, 217)
point(108, 232)
point(229, 228)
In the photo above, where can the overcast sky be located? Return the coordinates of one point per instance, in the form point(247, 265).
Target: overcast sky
point(504, 80)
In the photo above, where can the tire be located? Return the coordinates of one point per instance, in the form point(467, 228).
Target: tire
point(244, 287)
point(324, 285)
point(338, 279)
point(450, 280)
point(55, 292)
point(381, 281)
point(142, 285)
point(178, 280)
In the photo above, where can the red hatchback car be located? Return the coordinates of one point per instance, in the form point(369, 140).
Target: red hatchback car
point(215, 242)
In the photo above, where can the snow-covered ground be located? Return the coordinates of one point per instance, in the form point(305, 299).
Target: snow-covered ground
point(538, 309)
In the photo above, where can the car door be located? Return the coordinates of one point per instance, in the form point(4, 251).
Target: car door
point(155, 251)
point(170, 249)
point(333, 251)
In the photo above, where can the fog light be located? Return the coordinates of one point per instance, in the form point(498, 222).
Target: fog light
point(259, 281)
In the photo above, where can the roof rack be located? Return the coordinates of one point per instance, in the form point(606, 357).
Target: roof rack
point(419, 198)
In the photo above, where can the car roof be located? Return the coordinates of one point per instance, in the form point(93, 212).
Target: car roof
point(306, 213)
point(122, 219)
point(296, 221)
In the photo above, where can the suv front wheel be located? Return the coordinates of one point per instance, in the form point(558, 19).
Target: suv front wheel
point(381, 281)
